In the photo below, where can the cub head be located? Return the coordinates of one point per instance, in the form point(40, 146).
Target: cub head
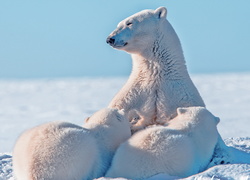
point(111, 125)
point(108, 116)
point(197, 114)
point(134, 33)
point(198, 120)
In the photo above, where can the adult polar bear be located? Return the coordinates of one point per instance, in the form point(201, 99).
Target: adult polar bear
point(159, 82)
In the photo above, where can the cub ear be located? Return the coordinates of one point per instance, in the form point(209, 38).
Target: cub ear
point(182, 110)
point(86, 120)
point(122, 112)
point(217, 120)
point(161, 12)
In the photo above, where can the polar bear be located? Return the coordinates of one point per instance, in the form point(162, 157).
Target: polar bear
point(64, 151)
point(159, 82)
point(183, 148)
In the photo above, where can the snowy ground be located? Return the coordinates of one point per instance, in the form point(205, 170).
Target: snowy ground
point(26, 103)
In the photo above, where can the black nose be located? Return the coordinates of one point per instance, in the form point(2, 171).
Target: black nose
point(110, 40)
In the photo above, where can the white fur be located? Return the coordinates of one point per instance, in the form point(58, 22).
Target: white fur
point(64, 151)
point(159, 82)
point(183, 148)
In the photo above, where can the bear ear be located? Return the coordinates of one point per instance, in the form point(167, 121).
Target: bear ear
point(182, 110)
point(87, 119)
point(161, 12)
point(217, 120)
point(122, 112)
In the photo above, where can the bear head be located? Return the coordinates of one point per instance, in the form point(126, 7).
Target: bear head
point(111, 123)
point(198, 122)
point(136, 32)
point(197, 114)
point(108, 116)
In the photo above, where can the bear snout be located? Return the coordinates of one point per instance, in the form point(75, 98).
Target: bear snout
point(110, 41)
point(115, 42)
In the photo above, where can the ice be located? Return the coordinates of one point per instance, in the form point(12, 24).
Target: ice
point(26, 103)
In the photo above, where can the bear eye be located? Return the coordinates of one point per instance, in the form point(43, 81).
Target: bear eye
point(129, 23)
point(119, 118)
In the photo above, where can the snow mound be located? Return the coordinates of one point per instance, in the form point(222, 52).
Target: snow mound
point(240, 143)
point(225, 171)
point(228, 171)
point(6, 167)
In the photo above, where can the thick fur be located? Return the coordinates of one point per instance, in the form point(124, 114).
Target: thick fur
point(64, 151)
point(159, 82)
point(183, 148)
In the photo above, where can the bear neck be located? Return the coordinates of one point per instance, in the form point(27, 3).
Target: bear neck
point(164, 58)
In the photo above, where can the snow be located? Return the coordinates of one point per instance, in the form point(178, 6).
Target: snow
point(26, 103)
point(227, 171)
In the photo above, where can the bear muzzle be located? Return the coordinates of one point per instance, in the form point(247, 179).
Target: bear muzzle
point(110, 41)
point(114, 43)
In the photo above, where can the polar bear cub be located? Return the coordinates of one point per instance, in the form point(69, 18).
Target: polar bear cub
point(183, 148)
point(64, 151)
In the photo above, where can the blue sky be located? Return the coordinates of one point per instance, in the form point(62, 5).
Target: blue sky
point(62, 38)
